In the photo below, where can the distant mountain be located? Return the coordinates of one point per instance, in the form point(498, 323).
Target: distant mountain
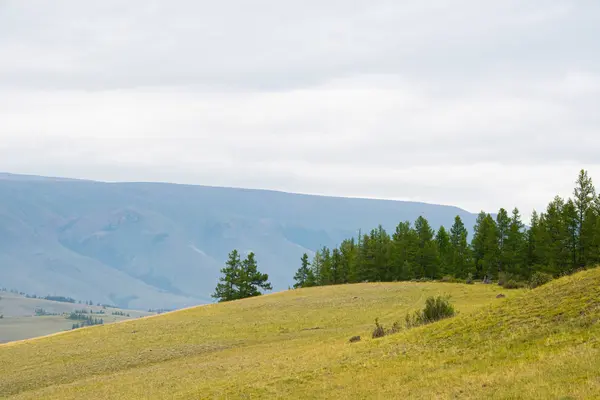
point(155, 245)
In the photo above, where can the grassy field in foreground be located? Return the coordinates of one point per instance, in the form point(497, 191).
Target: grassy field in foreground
point(542, 343)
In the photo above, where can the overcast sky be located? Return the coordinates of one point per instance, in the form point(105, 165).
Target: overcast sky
point(473, 103)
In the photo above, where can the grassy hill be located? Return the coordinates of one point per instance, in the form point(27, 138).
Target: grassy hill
point(20, 322)
point(542, 343)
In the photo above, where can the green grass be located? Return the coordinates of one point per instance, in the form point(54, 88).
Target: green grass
point(533, 344)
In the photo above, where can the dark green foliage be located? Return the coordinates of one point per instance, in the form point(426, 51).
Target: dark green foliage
point(563, 238)
point(436, 308)
point(241, 279)
point(539, 279)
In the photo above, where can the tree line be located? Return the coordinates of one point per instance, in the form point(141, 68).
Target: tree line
point(563, 238)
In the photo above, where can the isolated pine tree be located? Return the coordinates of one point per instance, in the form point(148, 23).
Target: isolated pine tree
point(227, 289)
point(250, 280)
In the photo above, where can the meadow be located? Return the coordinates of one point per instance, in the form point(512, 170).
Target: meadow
point(539, 344)
point(19, 321)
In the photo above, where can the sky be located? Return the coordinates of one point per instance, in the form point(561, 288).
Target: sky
point(476, 104)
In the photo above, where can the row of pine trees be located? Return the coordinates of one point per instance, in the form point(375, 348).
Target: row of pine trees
point(560, 240)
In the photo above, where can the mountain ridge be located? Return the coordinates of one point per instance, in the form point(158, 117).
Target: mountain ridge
point(161, 245)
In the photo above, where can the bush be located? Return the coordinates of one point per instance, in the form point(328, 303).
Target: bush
point(509, 281)
point(539, 279)
point(436, 308)
point(512, 284)
point(379, 330)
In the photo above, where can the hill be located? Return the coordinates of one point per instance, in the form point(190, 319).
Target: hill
point(154, 245)
point(19, 320)
point(541, 343)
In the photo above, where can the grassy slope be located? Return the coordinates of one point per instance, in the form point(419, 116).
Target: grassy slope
point(19, 323)
point(536, 344)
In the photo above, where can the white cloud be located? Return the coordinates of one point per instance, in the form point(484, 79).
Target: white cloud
point(468, 103)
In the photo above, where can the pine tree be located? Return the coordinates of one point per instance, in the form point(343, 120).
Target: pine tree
point(304, 277)
point(251, 280)
point(460, 249)
point(348, 261)
point(485, 246)
point(316, 268)
point(403, 251)
point(227, 288)
point(427, 255)
point(515, 247)
point(326, 272)
point(445, 252)
point(572, 235)
point(585, 195)
point(240, 279)
point(502, 226)
point(554, 244)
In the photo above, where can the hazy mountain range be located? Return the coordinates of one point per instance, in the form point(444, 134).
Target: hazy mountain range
point(151, 245)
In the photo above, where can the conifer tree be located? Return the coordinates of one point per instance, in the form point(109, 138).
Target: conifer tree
point(241, 279)
point(427, 255)
point(502, 226)
point(444, 247)
point(227, 288)
point(485, 246)
point(515, 254)
point(304, 276)
point(585, 195)
point(460, 249)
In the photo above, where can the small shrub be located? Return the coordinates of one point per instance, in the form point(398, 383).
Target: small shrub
point(379, 330)
point(539, 279)
point(512, 284)
point(436, 308)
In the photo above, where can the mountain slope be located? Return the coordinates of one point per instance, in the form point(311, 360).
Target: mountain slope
point(162, 245)
point(533, 344)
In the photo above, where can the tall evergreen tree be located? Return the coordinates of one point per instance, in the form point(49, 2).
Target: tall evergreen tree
point(485, 246)
point(316, 268)
point(585, 195)
point(227, 288)
point(515, 254)
point(572, 235)
point(502, 228)
point(460, 249)
point(404, 251)
point(240, 279)
point(304, 276)
point(444, 247)
point(251, 280)
point(427, 255)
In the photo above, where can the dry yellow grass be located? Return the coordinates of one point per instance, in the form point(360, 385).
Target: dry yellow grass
point(533, 344)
